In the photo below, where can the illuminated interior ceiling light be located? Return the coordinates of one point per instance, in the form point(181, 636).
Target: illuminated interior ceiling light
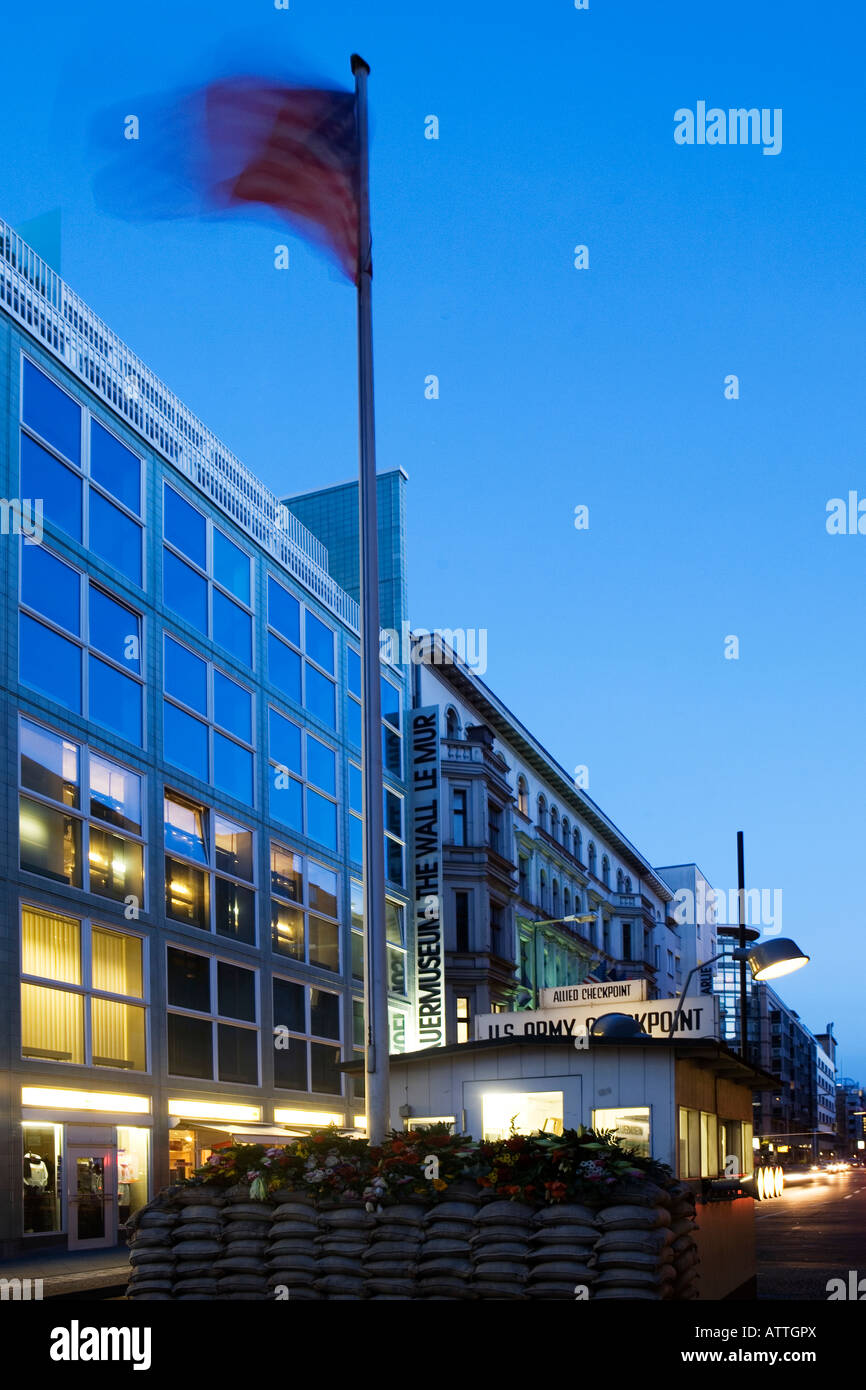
point(213, 1110)
point(84, 1100)
point(309, 1117)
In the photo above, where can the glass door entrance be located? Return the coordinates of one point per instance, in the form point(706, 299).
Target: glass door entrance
point(91, 1196)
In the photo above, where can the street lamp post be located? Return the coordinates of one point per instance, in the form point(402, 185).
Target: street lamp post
point(766, 960)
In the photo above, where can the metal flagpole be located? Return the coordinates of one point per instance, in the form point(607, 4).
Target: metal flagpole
point(376, 960)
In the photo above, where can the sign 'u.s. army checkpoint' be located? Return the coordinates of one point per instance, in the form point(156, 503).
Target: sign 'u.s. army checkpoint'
point(695, 1018)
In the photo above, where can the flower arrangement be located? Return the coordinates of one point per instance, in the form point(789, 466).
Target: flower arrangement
point(579, 1165)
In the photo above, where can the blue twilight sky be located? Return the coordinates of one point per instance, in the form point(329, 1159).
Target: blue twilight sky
point(557, 386)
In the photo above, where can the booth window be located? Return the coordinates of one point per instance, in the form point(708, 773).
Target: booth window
point(504, 1113)
point(630, 1124)
point(702, 1144)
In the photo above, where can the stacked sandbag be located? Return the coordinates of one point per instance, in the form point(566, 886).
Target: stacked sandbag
point(152, 1255)
point(684, 1247)
point(500, 1249)
point(389, 1260)
point(197, 1241)
point(343, 1236)
point(444, 1264)
point(632, 1256)
point(561, 1251)
point(240, 1267)
point(291, 1247)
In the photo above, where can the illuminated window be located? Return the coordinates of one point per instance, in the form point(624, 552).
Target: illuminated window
point(521, 1112)
point(464, 1018)
point(630, 1124)
point(304, 909)
point(197, 841)
point(91, 1022)
point(55, 840)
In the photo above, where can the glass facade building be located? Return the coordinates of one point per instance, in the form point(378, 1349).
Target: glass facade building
point(182, 922)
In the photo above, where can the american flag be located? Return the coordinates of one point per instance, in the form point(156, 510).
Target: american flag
point(292, 148)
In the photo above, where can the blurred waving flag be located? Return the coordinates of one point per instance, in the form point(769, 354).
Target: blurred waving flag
point(238, 142)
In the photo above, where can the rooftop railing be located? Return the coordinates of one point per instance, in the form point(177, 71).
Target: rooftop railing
point(36, 296)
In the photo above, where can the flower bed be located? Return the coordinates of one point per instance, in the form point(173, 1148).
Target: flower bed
point(424, 1215)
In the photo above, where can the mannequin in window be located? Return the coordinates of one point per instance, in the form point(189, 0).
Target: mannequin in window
point(35, 1171)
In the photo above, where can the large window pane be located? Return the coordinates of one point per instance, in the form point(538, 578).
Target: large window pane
point(44, 476)
point(233, 707)
point(185, 741)
point(321, 698)
point(321, 820)
point(390, 703)
point(393, 861)
point(287, 929)
point(285, 799)
point(391, 751)
point(51, 587)
point(321, 765)
point(322, 889)
point(115, 700)
point(234, 848)
point(238, 1054)
point(394, 923)
point(190, 1046)
point(188, 980)
point(356, 840)
point(286, 874)
point(116, 964)
point(232, 768)
point(232, 628)
point(285, 741)
point(51, 413)
point(289, 1006)
point(115, 467)
point(52, 1024)
point(118, 1035)
point(115, 794)
point(184, 591)
point(319, 642)
point(115, 537)
point(185, 827)
point(324, 943)
point(49, 764)
point(48, 662)
point(115, 630)
point(116, 865)
point(234, 911)
point(396, 971)
point(231, 566)
point(284, 611)
point(290, 1064)
point(284, 668)
point(185, 527)
point(236, 992)
point(353, 722)
point(392, 805)
point(325, 1074)
point(353, 668)
point(185, 676)
point(41, 1185)
point(186, 895)
point(50, 946)
point(50, 843)
point(324, 1013)
point(356, 789)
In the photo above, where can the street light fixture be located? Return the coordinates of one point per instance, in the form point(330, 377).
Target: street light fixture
point(554, 921)
point(767, 960)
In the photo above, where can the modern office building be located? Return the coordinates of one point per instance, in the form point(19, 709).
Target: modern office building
point(181, 743)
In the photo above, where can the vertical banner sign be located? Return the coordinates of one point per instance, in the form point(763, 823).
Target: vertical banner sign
point(427, 851)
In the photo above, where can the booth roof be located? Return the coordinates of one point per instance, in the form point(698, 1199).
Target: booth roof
point(728, 1064)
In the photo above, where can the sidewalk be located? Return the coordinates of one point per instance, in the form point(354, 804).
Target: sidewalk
point(65, 1274)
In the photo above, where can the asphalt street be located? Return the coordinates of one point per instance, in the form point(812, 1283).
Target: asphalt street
point(814, 1232)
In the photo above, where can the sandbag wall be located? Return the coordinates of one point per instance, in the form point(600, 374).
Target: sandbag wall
point(200, 1243)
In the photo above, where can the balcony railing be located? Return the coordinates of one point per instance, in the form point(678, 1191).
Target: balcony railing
point(34, 295)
